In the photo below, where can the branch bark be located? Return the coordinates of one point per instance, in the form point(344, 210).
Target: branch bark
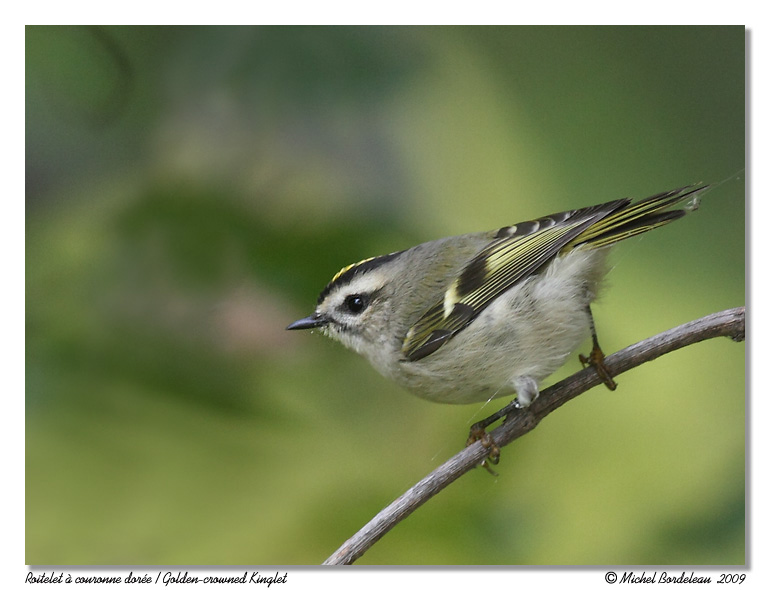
point(730, 323)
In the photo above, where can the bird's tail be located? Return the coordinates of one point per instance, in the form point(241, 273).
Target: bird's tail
point(639, 217)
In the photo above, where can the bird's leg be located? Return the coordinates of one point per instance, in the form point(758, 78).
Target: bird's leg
point(595, 358)
point(526, 392)
point(478, 432)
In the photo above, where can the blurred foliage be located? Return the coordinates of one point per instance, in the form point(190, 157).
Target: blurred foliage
point(191, 189)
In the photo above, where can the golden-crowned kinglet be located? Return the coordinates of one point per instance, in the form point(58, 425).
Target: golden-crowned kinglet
point(482, 315)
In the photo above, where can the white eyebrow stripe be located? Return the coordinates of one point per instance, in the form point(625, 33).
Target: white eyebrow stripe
point(366, 283)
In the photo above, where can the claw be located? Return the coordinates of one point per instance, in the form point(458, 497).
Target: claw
point(596, 360)
point(478, 432)
point(494, 451)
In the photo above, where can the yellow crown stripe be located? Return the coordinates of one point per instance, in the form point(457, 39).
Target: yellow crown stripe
point(345, 269)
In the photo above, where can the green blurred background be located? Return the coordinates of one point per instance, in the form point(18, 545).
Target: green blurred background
point(190, 191)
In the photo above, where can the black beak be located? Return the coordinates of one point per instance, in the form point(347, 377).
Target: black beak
point(312, 321)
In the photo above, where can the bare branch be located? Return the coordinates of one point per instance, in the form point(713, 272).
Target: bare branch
point(730, 323)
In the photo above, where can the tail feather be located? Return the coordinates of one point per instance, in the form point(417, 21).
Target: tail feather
point(637, 218)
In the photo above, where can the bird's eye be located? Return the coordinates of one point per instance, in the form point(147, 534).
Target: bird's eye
point(356, 303)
